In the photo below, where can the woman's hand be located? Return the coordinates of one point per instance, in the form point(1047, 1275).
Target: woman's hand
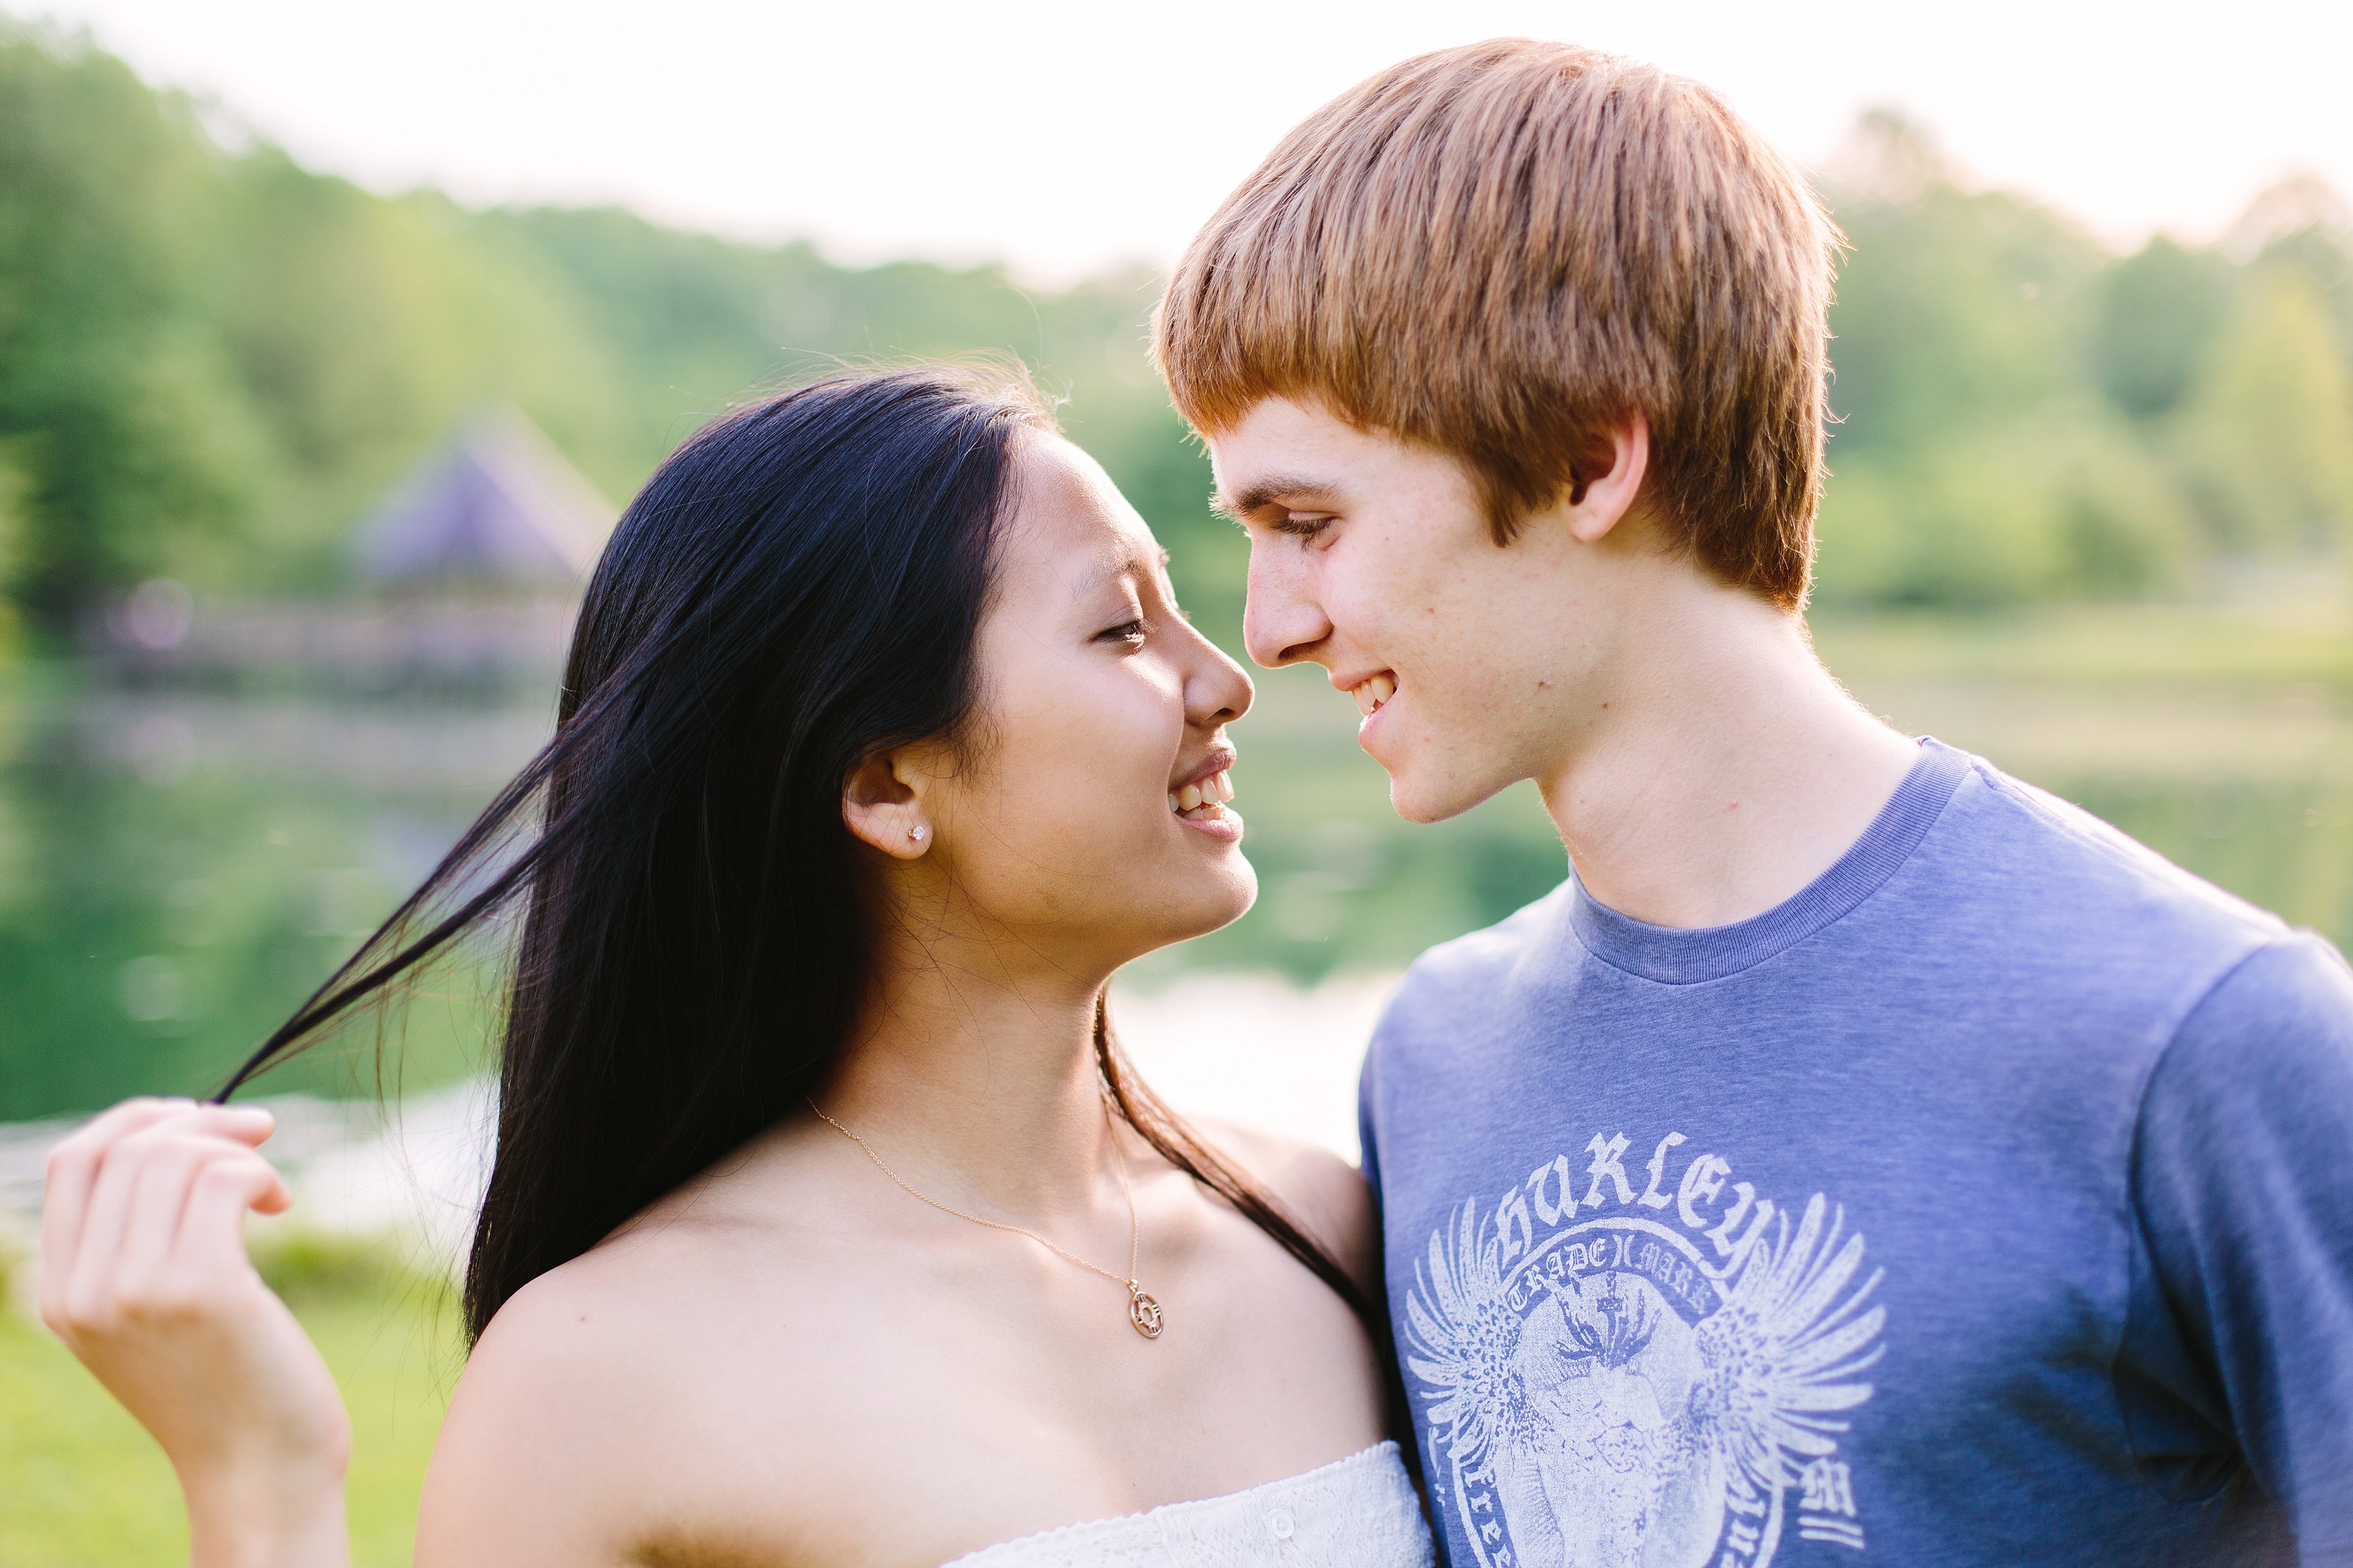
point(145, 1277)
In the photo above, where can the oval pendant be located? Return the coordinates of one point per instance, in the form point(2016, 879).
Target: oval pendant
point(1144, 1313)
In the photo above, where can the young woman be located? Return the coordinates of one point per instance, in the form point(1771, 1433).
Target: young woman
point(828, 1226)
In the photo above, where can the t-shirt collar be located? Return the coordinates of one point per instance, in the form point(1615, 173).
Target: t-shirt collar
point(1678, 956)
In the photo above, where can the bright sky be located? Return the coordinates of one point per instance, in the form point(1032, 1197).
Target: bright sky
point(1065, 134)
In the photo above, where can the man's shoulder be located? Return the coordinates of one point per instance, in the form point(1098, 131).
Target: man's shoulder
point(2278, 1026)
point(2007, 865)
point(1479, 964)
point(2007, 847)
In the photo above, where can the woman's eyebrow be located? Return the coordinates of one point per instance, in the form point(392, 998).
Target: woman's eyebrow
point(1115, 564)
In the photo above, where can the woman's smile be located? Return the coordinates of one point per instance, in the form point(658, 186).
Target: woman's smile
point(1201, 802)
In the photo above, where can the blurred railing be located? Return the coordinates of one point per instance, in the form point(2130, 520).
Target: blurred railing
point(158, 633)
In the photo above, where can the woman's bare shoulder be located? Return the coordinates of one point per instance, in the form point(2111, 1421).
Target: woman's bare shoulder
point(574, 1425)
point(1314, 1183)
point(587, 1324)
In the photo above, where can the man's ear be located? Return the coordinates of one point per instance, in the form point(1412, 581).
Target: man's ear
point(882, 807)
point(1608, 495)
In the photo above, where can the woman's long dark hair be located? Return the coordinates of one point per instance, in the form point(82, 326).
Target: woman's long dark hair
point(798, 588)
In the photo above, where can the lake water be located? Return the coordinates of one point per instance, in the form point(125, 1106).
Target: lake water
point(178, 870)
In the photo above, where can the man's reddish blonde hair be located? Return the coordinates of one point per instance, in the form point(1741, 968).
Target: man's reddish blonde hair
point(1507, 250)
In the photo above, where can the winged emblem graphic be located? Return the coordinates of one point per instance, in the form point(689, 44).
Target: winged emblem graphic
point(1592, 1419)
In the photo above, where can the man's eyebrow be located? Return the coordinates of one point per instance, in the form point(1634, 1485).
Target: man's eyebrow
point(1266, 491)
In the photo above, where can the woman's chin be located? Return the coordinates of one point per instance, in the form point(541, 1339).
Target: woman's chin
point(1211, 902)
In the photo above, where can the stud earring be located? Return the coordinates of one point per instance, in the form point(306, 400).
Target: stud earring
point(917, 832)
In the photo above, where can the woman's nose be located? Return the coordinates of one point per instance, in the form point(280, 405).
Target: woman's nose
point(1221, 691)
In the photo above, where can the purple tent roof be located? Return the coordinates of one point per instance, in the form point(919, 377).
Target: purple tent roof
point(495, 500)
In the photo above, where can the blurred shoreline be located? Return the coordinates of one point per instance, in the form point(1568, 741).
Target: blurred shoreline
point(1256, 1049)
point(178, 866)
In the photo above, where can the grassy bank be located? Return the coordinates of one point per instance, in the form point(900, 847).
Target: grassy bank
point(2296, 629)
point(2093, 698)
point(82, 1487)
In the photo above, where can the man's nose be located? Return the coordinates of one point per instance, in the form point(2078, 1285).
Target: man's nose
point(1282, 622)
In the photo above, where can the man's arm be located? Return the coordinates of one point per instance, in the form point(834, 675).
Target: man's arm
point(2242, 1178)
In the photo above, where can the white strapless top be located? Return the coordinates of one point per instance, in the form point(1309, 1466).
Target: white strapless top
point(1356, 1512)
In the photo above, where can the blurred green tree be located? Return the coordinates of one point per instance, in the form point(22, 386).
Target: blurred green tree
point(2022, 415)
point(362, 327)
point(1972, 464)
point(15, 530)
point(1954, 306)
point(2159, 310)
point(2267, 431)
point(2063, 504)
point(213, 361)
point(122, 415)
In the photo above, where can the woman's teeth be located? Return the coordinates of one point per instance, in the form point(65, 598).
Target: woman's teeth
point(1372, 693)
point(1211, 791)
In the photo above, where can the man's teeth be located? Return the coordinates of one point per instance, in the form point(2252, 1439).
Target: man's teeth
point(1212, 791)
point(1372, 693)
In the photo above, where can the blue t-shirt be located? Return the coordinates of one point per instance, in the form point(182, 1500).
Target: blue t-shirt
point(1989, 1203)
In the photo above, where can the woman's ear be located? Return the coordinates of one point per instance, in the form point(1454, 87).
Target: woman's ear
point(1609, 495)
point(882, 807)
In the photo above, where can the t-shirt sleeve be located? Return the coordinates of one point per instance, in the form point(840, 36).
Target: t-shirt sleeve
point(1369, 1157)
point(2244, 1179)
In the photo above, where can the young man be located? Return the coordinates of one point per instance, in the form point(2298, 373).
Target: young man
point(1863, 1151)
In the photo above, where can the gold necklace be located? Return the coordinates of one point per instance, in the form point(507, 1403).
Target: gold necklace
point(1143, 1311)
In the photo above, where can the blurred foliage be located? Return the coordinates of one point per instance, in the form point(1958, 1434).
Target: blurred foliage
point(82, 1487)
point(2025, 417)
point(15, 495)
point(309, 1265)
point(2267, 434)
point(213, 360)
point(2156, 311)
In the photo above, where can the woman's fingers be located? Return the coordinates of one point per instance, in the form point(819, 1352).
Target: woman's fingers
point(210, 1237)
point(98, 1250)
point(172, 1169)
point(116, 1193)
point(74, 1165)
point(159, 1165)
point(73, 1168)
point(148, 1283)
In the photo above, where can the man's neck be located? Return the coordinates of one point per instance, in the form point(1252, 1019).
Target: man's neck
point(1728, 770)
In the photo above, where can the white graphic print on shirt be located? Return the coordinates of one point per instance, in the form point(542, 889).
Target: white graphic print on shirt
point(1624, 1381)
